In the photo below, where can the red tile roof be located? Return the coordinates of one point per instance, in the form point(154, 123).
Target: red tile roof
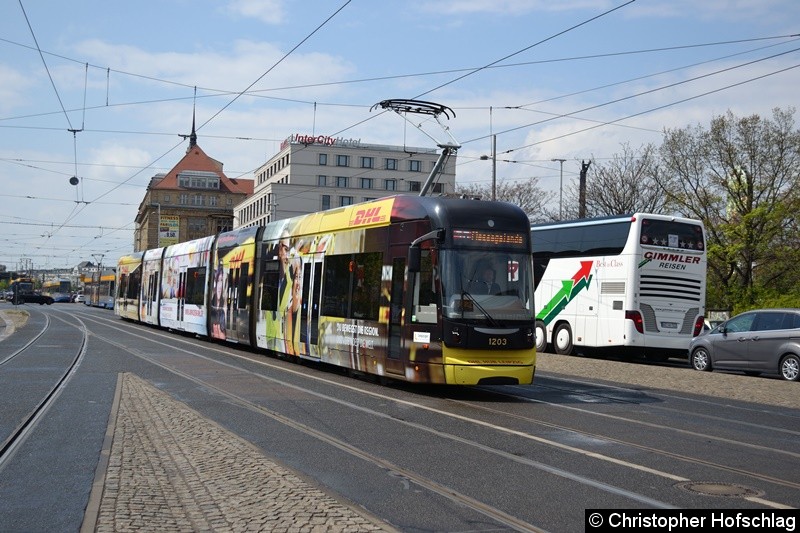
point(197, 159)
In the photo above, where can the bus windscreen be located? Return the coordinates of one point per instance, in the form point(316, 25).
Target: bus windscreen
point(671, 234)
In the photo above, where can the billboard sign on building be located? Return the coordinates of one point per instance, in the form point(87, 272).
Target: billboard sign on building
point(324, 140)
point(168, 231)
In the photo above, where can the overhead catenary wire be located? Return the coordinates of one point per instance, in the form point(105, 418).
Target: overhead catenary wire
point(253, 92)
point(217, 92)
point(71, 216)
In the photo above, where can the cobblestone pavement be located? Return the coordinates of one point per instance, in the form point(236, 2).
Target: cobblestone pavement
point(168, 468)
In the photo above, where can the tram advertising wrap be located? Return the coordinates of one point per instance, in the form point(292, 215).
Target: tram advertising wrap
point(420, 289)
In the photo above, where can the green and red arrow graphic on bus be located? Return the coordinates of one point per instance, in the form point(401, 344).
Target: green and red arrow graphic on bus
point(569, 289)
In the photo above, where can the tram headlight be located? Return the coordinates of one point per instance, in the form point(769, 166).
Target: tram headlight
point(455, 336)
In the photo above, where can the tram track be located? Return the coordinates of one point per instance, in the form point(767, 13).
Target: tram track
point(30, 343)
point(41, 401)
point(252, 358)
point(651, 449)
point(392, 468)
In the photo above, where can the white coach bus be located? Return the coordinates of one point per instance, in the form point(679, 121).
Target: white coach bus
point(634, 283)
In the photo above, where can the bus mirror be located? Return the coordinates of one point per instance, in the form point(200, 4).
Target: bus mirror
point(414, 259)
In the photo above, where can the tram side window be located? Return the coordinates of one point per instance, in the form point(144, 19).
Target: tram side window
point(195, 285)
point(134, 284)
point(427, 294)
point(123, 282)
point(269, 285)
point(425, 291)
point(336, 289)
point(366, 286)
point(241, 290)
point(352, 286)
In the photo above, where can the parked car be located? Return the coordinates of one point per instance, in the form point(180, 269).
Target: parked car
point(35, 298)
point(754, 342)
point(79, 298)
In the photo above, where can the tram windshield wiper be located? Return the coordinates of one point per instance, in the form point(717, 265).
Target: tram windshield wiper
point(489, 318)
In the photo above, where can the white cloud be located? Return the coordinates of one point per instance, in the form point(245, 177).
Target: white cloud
point(13, 90)
point(268, 11)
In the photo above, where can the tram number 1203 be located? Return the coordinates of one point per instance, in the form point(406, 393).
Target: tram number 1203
point(498, 341)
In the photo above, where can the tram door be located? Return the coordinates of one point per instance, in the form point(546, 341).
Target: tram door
point(152, 297)
point(396, 313)
point(309, 332)
point(181, 294)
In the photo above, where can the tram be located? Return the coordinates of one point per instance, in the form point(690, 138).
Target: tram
point(57, 286)
point(395, 287)
point(98, 288)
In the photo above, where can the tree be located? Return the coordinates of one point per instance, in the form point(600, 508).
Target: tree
point(526, 194)
point(741, 178)
point(628, 183)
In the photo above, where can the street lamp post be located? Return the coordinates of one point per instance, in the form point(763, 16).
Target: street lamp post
point(560, 189)
point(494, 166)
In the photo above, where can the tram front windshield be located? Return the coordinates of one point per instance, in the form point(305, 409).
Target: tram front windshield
point(493, 287)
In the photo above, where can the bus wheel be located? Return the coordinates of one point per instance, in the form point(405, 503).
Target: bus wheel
point(541, 336)
point(562, 339)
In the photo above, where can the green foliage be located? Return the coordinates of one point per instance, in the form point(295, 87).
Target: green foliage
point(741, 177)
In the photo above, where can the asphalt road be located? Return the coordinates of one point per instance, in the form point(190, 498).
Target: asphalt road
point(588, 434)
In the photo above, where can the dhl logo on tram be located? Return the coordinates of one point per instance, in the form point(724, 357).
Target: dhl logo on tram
point(371, 215)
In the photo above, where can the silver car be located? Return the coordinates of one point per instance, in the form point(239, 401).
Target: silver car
point(755, 342)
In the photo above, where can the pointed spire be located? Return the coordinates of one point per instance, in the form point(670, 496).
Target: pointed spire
point(193, 135)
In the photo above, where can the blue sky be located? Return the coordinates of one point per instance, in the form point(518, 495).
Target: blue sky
point(103, 90)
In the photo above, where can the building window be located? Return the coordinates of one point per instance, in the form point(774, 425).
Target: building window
point(212, 201)
point(166, 199)
point(322, 181)
point(342, 161)
point(391, 164)
point(415, 165)
point(197, 225)
point(438, 188)
point(367, 162)
point(345, 200)
point(323, 159)
point(341, 181)
point(198, 180)
point(183, 199)
point(326, 202)
point(390, 185)
point(413, 186)
point(366, 183)
point(198, 200)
